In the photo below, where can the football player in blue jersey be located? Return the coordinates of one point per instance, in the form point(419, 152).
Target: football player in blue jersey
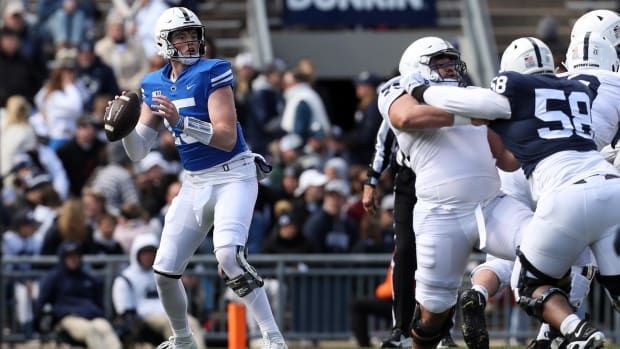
point(193, 99)
point(545, 123)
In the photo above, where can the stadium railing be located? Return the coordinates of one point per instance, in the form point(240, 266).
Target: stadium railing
point(310, 295)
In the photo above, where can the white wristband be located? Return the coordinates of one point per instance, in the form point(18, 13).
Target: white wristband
point(461, 120)
point(200, 130)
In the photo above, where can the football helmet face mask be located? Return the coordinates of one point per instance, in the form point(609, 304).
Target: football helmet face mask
point(420, 54)
point(172, 20)
point(527, 55)
point(591, 51)
point(605, 22)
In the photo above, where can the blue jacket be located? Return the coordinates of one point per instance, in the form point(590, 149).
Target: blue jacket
point(70, 292)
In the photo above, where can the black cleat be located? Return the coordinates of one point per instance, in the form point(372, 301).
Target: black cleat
point(474, 325)
point(447, 342)
point(397, 340)
point(539, 344)
point(584, 337)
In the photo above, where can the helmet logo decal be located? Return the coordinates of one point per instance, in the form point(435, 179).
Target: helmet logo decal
point(536, 52)
point(529, 61)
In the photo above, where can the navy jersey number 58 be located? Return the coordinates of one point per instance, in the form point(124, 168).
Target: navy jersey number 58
point(578, 122)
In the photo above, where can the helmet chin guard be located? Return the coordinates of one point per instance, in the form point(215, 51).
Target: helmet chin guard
point(172, 20)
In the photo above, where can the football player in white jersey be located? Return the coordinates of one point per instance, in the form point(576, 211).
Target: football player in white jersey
point(193, 99)
point(545, 123)
point(457, 188)
point(604, 22)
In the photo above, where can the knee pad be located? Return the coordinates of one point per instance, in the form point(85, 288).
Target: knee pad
point(581, 278)
point(527, 285)
point(426, 335)
point(234, 268)
point(611, 284)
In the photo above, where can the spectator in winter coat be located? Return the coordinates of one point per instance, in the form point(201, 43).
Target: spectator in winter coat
point(76, 300)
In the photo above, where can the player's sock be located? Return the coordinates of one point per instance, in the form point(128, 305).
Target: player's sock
point(569, 324)
point(174, 299)
point(257, 302)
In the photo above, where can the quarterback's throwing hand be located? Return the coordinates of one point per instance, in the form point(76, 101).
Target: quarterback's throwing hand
point(411, 81)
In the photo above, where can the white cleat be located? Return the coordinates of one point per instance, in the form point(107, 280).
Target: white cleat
point(273, 340)
point(178, 343)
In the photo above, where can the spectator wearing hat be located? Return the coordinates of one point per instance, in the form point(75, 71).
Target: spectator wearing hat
point(284, 153)
point(59, 101)
point(309, 194)
point(360, 140)
point(266, 105)
point(329, 227)
point(20, 75)
point(34, 165)
point(124, 54)
point(76, 298)
point(153, 176)
point(21, 240)
point(287, 237)
point(96, 78)
point(115, 179)
point(16, 18)
point(82, 154)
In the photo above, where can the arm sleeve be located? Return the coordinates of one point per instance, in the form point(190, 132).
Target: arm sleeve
point(474, 102)
point(139, 142)
point(383, 148)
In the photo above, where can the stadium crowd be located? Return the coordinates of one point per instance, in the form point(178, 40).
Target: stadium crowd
point(67, 191)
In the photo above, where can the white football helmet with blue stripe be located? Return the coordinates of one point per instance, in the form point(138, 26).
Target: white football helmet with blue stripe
point(171, 20)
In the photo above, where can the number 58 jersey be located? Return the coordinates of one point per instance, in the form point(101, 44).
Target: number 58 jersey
point(549, 114)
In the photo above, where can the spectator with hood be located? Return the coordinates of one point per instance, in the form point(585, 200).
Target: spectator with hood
point(135, 298)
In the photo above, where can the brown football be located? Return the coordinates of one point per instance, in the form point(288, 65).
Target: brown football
point(122, 116)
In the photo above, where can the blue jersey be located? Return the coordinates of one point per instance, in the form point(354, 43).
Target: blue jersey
point(190, 94)
point(549, 115)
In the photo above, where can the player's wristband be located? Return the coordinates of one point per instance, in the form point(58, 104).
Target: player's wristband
point(202, 131)
point(418, 93)
point(371, 181)
point(179, 123)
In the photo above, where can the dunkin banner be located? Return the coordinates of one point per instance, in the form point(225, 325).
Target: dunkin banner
point(369, 13)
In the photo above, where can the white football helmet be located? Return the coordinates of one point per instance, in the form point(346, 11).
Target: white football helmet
point(418, 55)
point(527, 55)
point(605, 22)
point(171, 20)
point(591, 51)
